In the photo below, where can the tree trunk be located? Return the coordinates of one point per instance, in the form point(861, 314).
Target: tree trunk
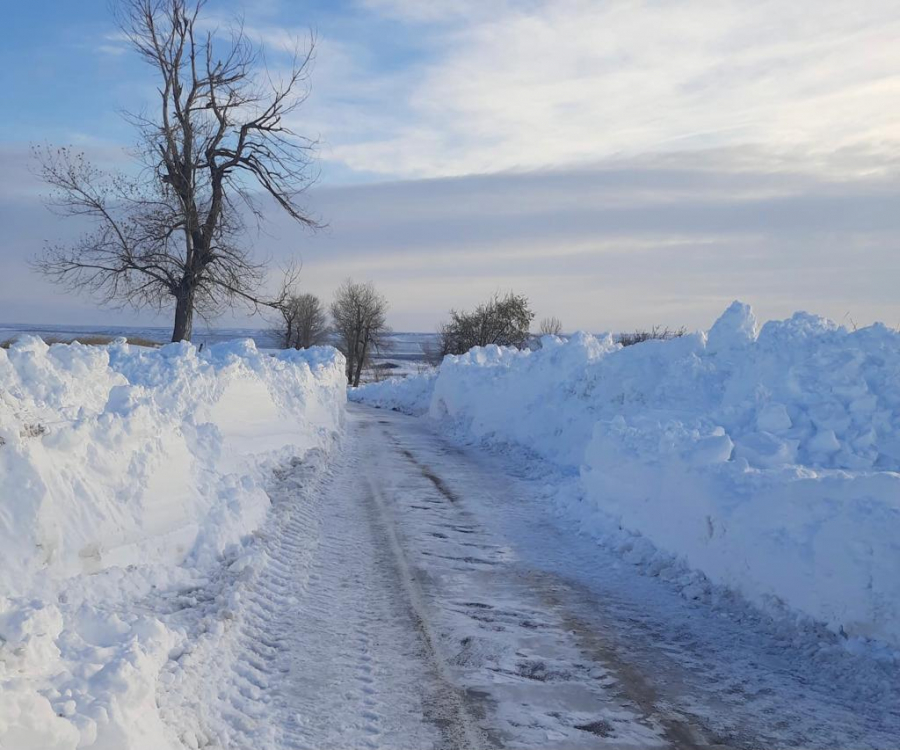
point(359, 363)
point(184, 316)
point(289, 335)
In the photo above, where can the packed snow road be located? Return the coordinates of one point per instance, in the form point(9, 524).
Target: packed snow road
point(415, 594)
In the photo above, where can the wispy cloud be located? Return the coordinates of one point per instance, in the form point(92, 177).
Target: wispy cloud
point(545, 83)
point(113, 43)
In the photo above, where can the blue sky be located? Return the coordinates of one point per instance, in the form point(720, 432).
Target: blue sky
point(624, 163)
point(70, 73)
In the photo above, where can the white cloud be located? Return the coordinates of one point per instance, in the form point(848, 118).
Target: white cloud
point(111, 49)
point(524, 85)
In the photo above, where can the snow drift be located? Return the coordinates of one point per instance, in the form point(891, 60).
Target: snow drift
point(766, 459)
point(410, 395)
point(145, 465)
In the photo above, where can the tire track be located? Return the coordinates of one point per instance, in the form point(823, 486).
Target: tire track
point(312, 644)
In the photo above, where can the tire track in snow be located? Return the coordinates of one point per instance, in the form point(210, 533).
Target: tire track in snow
point(314, 644)
point(507, 646)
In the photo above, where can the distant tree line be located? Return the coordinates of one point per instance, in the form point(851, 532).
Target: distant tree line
point(359, 325)
point(505, 320)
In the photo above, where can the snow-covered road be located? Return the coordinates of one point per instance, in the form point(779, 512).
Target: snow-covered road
point(412, 593)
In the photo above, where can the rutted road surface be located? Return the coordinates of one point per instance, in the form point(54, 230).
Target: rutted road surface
point(413, 595)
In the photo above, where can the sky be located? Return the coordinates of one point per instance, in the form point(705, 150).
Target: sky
point(622, 163)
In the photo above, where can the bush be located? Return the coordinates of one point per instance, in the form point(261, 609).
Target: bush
point(504, 321)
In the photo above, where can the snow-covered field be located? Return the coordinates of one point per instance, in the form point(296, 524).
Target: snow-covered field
point(766, 460)
point(144, 468)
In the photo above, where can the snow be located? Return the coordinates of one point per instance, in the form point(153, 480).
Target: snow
point(184, 562)
point(410, 395)
point(509, 580)
point(124, 471)
point(765, 458)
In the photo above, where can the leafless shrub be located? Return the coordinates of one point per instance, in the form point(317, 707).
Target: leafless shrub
point(33, 430)
point(377, 372)
point(551, 326)
point(659, 333)
point(360, 324)
point(502, 320)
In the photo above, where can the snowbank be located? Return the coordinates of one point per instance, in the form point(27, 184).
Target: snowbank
point(141, 466)
point(411, 395)
point(115, 454)
point(767, 459)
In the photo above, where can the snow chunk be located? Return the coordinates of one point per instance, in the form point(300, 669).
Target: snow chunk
point(736, 328)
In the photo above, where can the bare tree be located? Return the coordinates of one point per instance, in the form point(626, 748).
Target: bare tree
point(551, 326)
point(304, 321)
point(503, 321)
point(217, 137)
point(359, 314)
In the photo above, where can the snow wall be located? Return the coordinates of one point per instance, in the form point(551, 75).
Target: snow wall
point(118, 455)
point(766, 459)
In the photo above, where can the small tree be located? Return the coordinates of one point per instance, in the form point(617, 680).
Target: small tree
point(503, 321)
point(359, 314)
point(216, 138)
point(551, 326)
point(304, 321)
